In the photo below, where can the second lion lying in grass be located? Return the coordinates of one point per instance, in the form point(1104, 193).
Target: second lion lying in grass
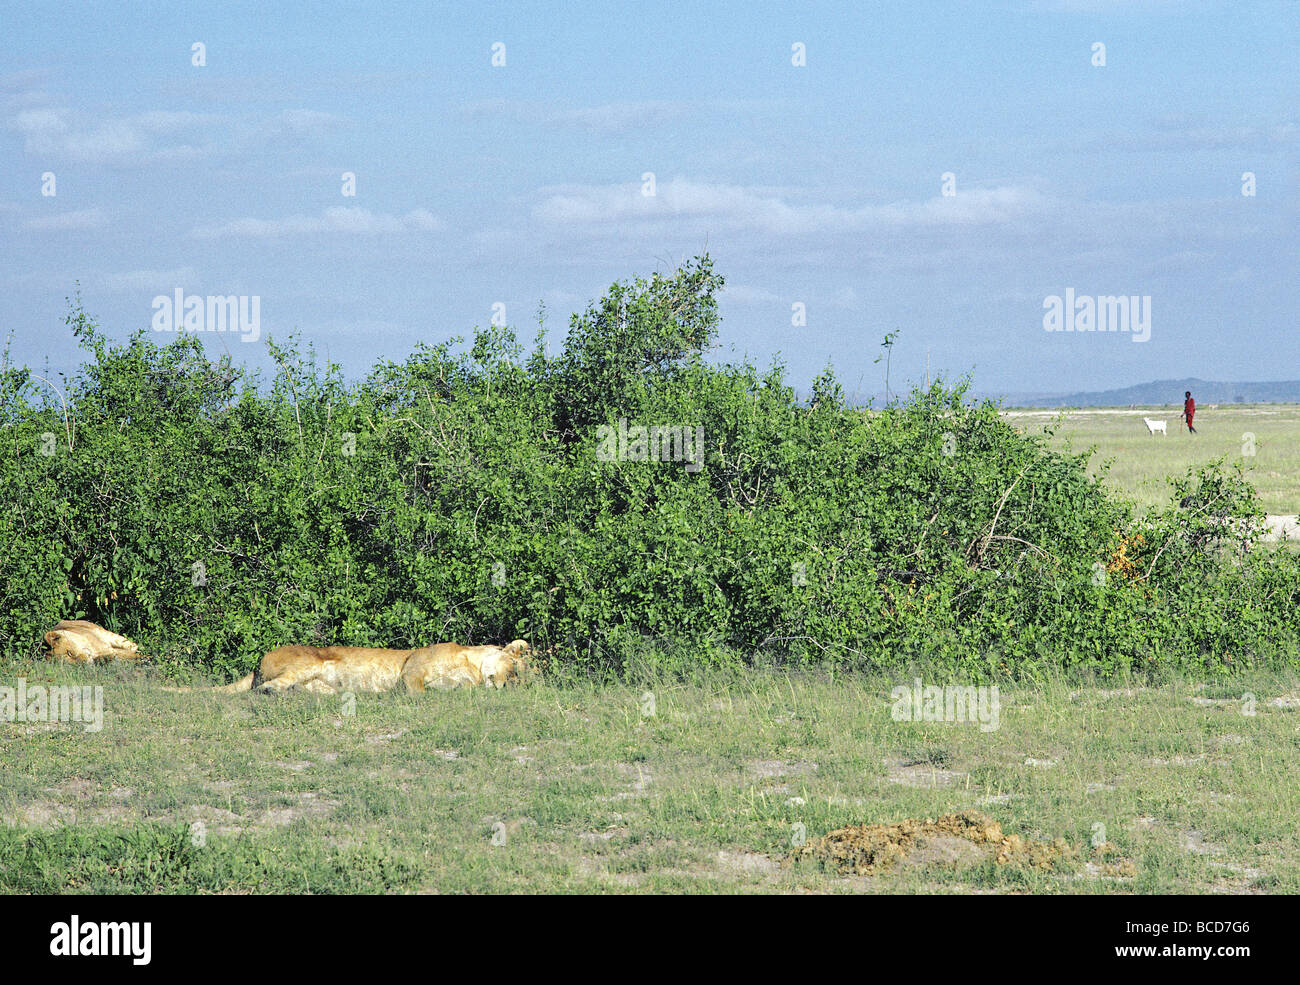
point(335, 669)
point(79, 641)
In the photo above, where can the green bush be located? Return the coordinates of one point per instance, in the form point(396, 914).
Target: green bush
point(464, 494)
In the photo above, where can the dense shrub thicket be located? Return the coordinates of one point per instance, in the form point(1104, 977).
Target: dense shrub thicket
point(464, 495)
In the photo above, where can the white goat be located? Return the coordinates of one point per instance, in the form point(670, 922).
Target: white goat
point(1154, 426)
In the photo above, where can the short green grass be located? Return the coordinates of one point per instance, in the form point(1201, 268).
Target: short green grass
point(1140, 462)
point(583, 791)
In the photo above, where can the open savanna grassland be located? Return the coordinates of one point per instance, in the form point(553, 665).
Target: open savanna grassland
point(1140, 461)
point(580, 788)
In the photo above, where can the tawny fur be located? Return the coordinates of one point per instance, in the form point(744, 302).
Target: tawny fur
point(336, 669)
point(79, 641)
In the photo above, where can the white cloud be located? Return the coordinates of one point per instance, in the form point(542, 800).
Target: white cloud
point(339, 219)
point(149, 281)
point(845, 297)
point(142, 137)
point(743, 207)
point(154, 135)
point(1176, 135)
point(21, 90)
point(745, 294)
point(620, 117)
point(625, 116)
point(22, 80)
point(304, 123)
point(616, 117)
point(83, 219)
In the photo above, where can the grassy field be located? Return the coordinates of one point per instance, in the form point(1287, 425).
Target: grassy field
point(678, 787)
point(1140, 462)
point(579, 789)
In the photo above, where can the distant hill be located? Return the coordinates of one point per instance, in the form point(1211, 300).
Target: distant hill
point(1166, 392)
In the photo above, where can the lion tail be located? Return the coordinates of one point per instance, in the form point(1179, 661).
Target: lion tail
point(245, 683)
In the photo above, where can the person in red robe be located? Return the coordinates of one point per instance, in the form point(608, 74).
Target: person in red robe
point(1189, 410)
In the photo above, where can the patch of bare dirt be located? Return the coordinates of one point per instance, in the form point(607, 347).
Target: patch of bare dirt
point(216, 819)
point(1235, 887)
point(74, 801)
point(75, 787)
point(595, 837)
point(914, 774)
point(51, 814)
point(310, 804)
point(1177, 760)
point(383, 738)
point(1194, 843)
point(640, 776)
point(1245, 871)
point(775, 768)
point(221, 821)
point(591, 869)
point(747, 863)
point(866, 850)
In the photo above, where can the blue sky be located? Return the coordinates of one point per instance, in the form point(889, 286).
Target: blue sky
point(818, 184)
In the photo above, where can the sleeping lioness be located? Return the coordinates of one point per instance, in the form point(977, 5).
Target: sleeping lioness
point(335, 669)
point(78, 641)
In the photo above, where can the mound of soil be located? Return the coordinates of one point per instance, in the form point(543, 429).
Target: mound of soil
point(869, 849)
